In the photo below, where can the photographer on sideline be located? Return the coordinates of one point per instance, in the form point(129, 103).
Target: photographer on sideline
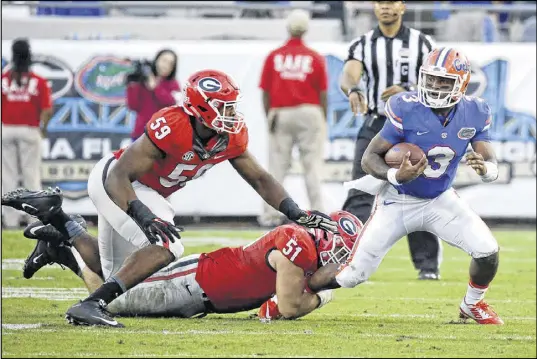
point(151, 87)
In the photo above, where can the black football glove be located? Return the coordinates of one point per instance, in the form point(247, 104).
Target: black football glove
point(308, 219)
point(316, 219)
point(155, 229)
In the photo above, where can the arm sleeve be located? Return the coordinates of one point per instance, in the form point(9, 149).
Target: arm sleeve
point(133, 96)
point(46, 97)
point(485, 113)
point(392, 131)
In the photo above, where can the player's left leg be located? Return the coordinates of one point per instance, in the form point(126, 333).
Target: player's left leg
point(172, 291)
point(452, 219)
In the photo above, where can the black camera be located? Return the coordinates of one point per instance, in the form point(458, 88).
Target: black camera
point(142, 68)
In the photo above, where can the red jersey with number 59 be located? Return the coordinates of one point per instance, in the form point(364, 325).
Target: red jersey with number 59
point(236, 279)
point(186, 157)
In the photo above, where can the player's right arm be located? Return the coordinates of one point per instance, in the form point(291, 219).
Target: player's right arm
point(391, 133)
point(137, 160)
point(293, 300)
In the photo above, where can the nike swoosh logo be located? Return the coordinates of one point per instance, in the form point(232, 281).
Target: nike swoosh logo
point(35, 229)
point(422, 133)
point(217, 157)
point(24, 205)
point(387, 203)
point(189, 292)
point(36, 258)
point(110, 322)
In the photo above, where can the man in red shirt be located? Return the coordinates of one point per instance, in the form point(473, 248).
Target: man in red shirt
point(294, 83)
point(26, 105)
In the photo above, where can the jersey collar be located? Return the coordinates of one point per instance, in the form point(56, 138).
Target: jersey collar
point(401, 34)
point(294, 41)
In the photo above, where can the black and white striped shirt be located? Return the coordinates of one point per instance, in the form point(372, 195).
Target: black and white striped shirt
point(389, 61)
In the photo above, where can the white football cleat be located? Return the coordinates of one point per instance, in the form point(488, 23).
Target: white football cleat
point(481, 312)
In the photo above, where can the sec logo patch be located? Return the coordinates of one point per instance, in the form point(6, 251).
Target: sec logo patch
point(188, 156)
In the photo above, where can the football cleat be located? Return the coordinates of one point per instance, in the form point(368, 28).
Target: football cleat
point(428, 275)
point(481, 312)
point(41, 204)
point(47, 233)
point(36, 260)
point(45, 253)
point(91, 312)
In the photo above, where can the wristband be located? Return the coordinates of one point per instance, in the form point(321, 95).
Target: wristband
point(492, 172)
point(325, 296)
point(354, 89)
point(391, 176)
point(290, 209)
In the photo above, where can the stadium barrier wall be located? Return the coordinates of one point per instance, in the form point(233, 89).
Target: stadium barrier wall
point(90, 120)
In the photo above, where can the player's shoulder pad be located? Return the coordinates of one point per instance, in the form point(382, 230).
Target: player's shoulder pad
point(479, 111)
point(165, 124)
point(399, 106)
point(297, 245)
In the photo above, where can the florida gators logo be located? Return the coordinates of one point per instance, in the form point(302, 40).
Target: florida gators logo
point(102, 79)
point(210, 84)
point(466, 133)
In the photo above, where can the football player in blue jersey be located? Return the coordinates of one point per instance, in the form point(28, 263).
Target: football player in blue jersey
point(443, 122)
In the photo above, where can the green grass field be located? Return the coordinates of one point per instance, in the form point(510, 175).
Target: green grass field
point(393, 315)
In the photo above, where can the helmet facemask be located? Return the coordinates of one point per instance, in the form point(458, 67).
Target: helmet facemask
point(228, 119)
point(338, 253)
point(439, 89)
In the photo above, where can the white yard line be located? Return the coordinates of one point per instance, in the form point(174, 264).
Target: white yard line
point(414, 316)
point(443, 300)
point(20, 326)
point(97, 332)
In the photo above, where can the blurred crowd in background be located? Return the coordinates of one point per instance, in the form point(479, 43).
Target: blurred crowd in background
point(482, 21)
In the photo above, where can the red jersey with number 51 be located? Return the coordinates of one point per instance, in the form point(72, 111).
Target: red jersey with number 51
point(186, 158)
point(236, 279)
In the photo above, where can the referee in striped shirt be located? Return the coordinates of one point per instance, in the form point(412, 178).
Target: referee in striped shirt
point(388, 59)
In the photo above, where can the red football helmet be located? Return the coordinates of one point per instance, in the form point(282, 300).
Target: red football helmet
point(443, 78)
point(336, 248)
point(212, 97)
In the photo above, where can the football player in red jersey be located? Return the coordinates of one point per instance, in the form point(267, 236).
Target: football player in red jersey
point(137, 236)
point(271, 272)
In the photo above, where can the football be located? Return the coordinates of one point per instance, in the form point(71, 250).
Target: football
point(394, 157)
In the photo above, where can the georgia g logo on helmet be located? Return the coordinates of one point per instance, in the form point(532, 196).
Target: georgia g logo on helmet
point(348, 226)
point(209, 84)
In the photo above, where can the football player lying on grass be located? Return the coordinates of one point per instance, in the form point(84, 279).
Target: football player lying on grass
point(270, 272)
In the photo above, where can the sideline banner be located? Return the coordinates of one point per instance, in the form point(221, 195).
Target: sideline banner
point(90, 120)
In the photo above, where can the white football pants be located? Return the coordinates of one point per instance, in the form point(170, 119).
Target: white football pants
point(395, 215)
point(172, 291)
point(119, 235)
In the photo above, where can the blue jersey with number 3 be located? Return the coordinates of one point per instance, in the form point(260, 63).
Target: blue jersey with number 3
point(443, 140)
